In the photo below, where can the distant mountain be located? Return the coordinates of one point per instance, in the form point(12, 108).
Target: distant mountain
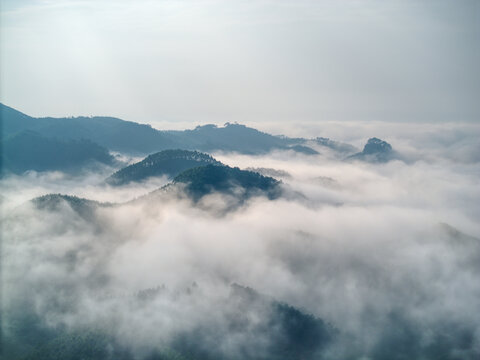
point(204, 180)
point(195, 183)
point(167, 162)
point(29, 150)
point(304, 149)
point(375, 150)
point(13, 121)
point(275, 173)
point(336, 145)
point(112, 133)
point(231, 137)
point(85, 208)
point(239, 138)
point(52, 201)
point(130, 137)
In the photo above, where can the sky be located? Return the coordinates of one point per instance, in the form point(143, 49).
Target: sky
point(262, 61)
point(387, 253)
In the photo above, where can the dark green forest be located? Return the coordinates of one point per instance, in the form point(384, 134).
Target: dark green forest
point(169, 163)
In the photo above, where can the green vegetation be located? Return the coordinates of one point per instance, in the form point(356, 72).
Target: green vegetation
point(78, 345)
point(167, 162)
point(83, 207)
point(50, 201)
point(130, 137)
point(30, 151)
point(277, 332)
point(204, 180)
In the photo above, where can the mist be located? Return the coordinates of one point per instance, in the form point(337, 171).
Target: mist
point(277, 61)
point(387, 255)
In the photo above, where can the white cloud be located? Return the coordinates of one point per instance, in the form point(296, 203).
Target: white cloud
point(366, 255)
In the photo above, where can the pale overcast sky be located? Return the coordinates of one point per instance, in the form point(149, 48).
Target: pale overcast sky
point(216, 61)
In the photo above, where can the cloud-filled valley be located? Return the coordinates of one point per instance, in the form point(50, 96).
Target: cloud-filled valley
point(239, 180)
point(355, 259)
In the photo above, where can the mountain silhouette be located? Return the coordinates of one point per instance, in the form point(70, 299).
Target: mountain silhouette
point(29, 150)
point(139, 139)
point(375, 150)
point(168, 163)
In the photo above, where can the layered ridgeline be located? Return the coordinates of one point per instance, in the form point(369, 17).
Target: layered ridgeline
point(260, 324)
point(130, 137)
point(241, 323)
point(67, 144)
point(29, 150)
point(198, 174)
point(195, 183)
point(168, 163)
point(111, 133)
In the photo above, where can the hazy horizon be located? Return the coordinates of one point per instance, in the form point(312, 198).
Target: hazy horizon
point(354, 236)
point(252, 62)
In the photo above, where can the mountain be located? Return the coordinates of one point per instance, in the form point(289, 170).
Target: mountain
point(375, 150)
point(237, 137)
point(167, 162)
point(298, 334)
point(263, 328)
point(51, 202)
point(13, 121)
point(243, 184)
point(304, 150)
point(112, 133)
point(336, 145)
point(85, 208)
point(29, 150)
point(231, 137)
point(130, 137)
point(195, 183)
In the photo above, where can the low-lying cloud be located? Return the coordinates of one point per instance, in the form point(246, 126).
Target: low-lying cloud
point(374, 251)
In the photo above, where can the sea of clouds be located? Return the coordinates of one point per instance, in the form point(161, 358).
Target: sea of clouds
point(388, 254)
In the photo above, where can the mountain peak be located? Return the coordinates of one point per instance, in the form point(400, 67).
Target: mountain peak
point(207, 179)
point(375, 145)
point(164, 163)
point(375, 150)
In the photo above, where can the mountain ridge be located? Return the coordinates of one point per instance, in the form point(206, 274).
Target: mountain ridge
point(29, 150)
point(167, 162)
point(195, 183)
point(135, 138)
point(204, 180)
